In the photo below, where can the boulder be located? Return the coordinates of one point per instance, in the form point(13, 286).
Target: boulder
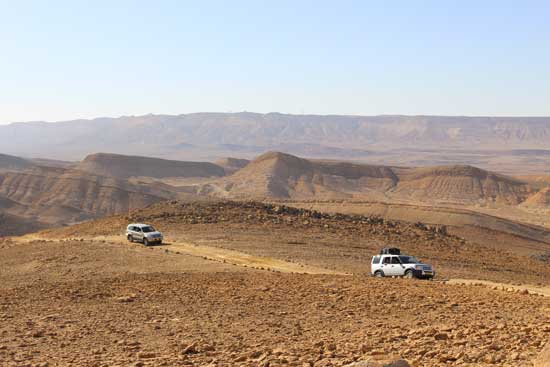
point(543, 359)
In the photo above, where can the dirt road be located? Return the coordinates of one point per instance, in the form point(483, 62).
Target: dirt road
point(218, 254)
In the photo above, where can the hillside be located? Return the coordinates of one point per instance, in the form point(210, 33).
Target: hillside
point(280, 175)
point(122, 166)
point(12, 225)
point(540, 199)
point(459, 184)
point(57, 195)
point(493, 231)
point(8, 162)
point(231, 165)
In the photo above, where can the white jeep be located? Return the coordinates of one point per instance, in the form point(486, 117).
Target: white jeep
point(143, 233)
point(388, 265)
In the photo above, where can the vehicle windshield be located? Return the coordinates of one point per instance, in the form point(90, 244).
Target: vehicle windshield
point(408, 260)
point(148, 229)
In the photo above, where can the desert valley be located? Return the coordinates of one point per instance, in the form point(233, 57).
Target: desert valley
point(266, 259)
point(275, 183)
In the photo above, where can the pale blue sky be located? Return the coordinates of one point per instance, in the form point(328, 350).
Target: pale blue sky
point(79, 59)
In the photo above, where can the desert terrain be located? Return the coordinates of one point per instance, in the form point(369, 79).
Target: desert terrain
point(252, 284)
point(266, 262)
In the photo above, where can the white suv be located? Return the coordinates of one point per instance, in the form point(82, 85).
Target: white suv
point(143, 233)
point(400, 265)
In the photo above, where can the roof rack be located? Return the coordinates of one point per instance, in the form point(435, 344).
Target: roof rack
point(390, 251)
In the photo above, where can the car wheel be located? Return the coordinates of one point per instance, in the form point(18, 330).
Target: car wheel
point(146, 242)
point(130, 238)
point(409, 274)
point(378, 274)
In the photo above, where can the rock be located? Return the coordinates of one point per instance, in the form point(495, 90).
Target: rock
point(441, 336)
point(190, 349)
point(543, 359)
point(126, 299)
point(38, 334)
point(380, 363)
point(146, 355)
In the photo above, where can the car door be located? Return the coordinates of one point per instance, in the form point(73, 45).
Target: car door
point(396, 267)
point(138, 233)
point(386, 265)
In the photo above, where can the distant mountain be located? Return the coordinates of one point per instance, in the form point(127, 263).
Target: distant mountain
point(220, 134)
point(123, 166)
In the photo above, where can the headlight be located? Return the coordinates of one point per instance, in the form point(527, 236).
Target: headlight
point(418, 267)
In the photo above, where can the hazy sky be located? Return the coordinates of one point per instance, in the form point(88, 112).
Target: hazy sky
point(70, 59)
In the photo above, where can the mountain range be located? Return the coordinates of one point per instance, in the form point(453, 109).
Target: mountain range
point(216, 135)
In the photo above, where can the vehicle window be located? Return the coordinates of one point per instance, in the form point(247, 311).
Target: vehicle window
point(148, 229)
point(395, 260)
point(386, 260)
point(408, 259)
point(376, 260)
point(137, 229)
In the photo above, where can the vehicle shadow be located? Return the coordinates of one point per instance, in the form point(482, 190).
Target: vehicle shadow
point(163, 244)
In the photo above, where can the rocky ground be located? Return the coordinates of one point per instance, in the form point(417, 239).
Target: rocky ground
point(333, 241)
point(94, 302)
point(259, 318)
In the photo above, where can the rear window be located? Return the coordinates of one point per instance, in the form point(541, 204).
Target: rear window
point(376, 260)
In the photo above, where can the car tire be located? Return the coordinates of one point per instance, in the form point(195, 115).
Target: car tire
point(146, 242)
point(130, 238)
point(378, 274)
point(409, 274)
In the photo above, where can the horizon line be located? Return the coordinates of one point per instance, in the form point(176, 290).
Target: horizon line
point(267, 113)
